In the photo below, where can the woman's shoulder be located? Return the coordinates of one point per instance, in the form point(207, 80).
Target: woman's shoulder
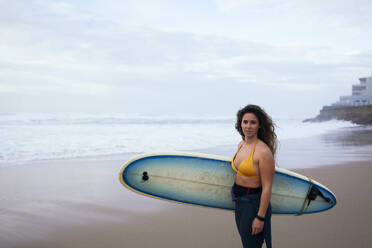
point(263, 149)
point(240, 144)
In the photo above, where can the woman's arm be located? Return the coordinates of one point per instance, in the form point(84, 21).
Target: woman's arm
point(267, 168)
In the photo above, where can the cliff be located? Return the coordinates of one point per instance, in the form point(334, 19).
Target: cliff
point(356, 114)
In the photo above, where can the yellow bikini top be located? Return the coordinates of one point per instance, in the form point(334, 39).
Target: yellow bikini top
point(246, 166)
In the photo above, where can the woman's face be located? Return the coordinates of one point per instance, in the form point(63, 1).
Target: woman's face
point(250, 125)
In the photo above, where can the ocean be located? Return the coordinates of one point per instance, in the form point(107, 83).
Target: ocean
point(26, 137)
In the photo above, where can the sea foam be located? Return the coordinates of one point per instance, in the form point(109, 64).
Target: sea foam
point(29, 137)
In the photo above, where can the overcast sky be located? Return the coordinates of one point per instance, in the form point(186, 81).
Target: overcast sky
point(195, 56)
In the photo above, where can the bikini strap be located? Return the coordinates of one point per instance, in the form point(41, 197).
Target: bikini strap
point(253, 148)
point(240, 147)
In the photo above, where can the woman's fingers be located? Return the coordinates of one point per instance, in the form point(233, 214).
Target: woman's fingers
point(257, 226)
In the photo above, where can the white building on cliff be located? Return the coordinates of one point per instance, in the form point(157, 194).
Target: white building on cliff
point(361, 94)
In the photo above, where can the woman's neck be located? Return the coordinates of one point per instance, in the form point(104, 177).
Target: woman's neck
point(251, 140)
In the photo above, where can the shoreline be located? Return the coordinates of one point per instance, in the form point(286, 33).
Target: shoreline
point(337, 139)
point(335, 147)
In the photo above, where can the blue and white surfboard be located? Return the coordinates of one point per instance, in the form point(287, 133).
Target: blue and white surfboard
point(206, 180)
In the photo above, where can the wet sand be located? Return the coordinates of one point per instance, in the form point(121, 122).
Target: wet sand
point(81, 203)
point(348, 224)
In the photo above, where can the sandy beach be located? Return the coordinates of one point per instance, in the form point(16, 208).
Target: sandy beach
point(81, 203)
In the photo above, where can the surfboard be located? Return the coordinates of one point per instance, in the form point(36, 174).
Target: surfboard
point(206, 180)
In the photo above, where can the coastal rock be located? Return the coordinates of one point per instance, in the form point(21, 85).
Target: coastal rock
point(356, 114)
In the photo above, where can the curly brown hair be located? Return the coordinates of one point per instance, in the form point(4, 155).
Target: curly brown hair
point(266, 132)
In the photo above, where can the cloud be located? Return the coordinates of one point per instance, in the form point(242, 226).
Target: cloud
point(62, 8)
point(121, 57)
point(80, 49)
point(234, 5)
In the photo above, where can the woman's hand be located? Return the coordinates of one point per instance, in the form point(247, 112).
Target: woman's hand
point(257, 226)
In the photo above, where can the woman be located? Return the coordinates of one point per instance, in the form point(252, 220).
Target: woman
point(254, 167)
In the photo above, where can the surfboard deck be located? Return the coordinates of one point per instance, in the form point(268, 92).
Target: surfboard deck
point(206, 180)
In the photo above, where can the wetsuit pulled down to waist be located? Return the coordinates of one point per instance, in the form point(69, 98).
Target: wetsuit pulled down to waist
point(239, 191)
point(247, 202)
